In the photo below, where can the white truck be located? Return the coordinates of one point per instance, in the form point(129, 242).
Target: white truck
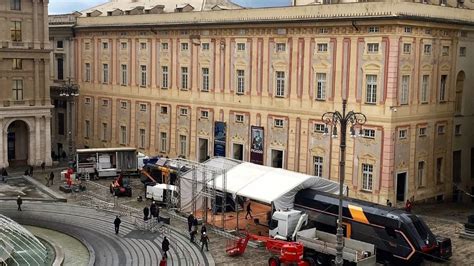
point(319, 245)
point(160, 192)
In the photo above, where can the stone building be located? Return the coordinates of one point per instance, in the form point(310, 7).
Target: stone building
point(25, 106)
point(170, 79)
point(62, 73)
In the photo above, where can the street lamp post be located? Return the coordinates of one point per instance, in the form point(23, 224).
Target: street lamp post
point(69, 90)
point(353, 119)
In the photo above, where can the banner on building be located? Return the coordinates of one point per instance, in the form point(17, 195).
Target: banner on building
point(219, 138)
point(256, 145)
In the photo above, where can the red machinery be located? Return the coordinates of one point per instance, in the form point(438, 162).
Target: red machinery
point(289, 252)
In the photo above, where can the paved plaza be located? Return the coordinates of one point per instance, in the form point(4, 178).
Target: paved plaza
point(93, 226)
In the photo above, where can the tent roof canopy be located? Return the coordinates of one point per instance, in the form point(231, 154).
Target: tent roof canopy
point(267, 184)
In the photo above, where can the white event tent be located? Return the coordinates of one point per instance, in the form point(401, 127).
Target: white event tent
point(261, 183)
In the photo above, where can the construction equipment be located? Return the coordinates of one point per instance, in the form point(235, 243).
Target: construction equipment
point(121, 186)
point(237, 247)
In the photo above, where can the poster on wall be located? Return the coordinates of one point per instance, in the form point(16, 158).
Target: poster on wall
point(256, 145)
point(219, 138)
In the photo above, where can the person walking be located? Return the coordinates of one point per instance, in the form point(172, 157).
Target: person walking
point(51, 177)
point(4, 174)
point(153, 210)
point(165, 246)
point(408, 206)
point(31, 170)
point(43, 165)
point(389, 204)
point(190, 221)
point(249, 211)
point(117, 222)
point(19, 201)
point(157, 213)
point(204, 241)
point(146, 212)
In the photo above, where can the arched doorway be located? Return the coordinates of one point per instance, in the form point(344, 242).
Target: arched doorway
point(17, 143)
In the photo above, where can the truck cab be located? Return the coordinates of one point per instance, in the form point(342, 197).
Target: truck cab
point(284, 224)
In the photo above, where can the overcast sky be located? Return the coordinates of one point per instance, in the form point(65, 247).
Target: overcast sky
point(68, 6)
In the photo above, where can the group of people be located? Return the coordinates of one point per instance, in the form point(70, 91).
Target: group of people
point(151, 212)
point(193, 229)
point(408, 204)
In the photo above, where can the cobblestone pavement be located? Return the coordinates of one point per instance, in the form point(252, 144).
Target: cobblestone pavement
point(447, 219)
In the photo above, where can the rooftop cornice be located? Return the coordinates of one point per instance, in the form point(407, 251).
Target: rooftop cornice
point(349, 11)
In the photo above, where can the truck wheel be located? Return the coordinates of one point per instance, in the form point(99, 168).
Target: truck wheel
point(321, 259)
point(274, 261)
point(309, 261)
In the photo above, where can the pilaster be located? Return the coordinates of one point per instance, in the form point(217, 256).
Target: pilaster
point(47, 140)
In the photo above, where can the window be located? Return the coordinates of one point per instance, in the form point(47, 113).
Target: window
point(15, 30)
point(182, 145)
point(319, 128)
point(425, 81)
point(142, 138)
point(143, 46)
point(205, 79)
point(59, 45)
point(123, 45)
point(164, 110)
point(17, 90)
point(278, 122)
point(87, 100)
point(427, 49)
point(239, 118)
point(281, 47)
point(123, 135)
point(441, 129)
point(17, 63)
point(457, 130)
point(322, 47)
point(318, 166)
point(184, 46)
point(184, 78)
point(402, 133)
point(164, 46)
point(105, 73)
point(421, 173)
point(104, 131)
point(240, 46)
point(439, 170)
point(442, 88)
point(143, 107)
point(373, 29)
point(240, 81)
point(163, 141)
point(372, 48)
point(205, 46)
point(87, 46)
point(15, 4)
point(371, 91)
point(164, 80)
point(204, 114)
point(320, 86)
point(123, 104)
point(462, 51)
point(183, 111)
point(408, 29)
point(367, 175)
point(280, 84)
point(368, 133)
point(105, 45)
point(123, 80)
point(445, 51)
point(422, 132)
point(105, 103)
point(404, 92)
point(87, 129)
point(323, 30)
point(407, 48)
point(427, 31)
point(143, 81)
